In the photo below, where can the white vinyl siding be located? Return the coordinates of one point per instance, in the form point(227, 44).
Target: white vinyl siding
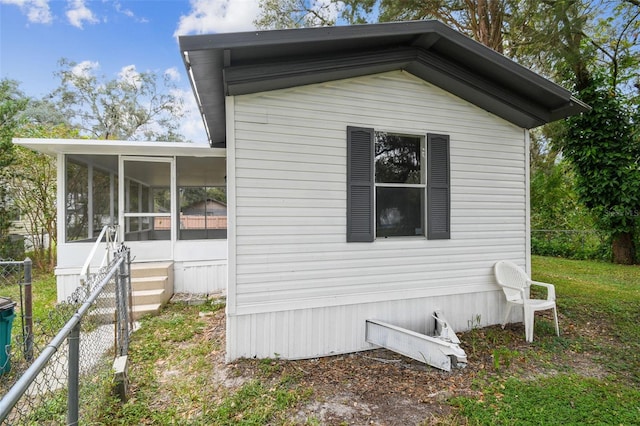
point(289, 161)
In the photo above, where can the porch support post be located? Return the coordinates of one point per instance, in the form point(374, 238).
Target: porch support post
point(90, 200)
point(112, 195)
point(61, 181)
point(174, 206)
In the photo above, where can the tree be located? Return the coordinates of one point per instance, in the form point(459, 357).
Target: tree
point(480, 19)
point(284, 14)
point(606, 155)
point(32, 187)
point(497, 24)
point(483, 20)
point(136, 105)
point(12, 102)
point(603, 144)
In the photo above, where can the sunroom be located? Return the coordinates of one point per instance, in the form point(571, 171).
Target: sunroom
point(166, 201)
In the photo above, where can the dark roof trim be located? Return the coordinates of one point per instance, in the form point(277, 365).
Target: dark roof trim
point(233, 64)
point(257, 39)
point(256, 78)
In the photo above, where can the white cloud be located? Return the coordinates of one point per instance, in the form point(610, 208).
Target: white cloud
point(37, 11)
point(126, 12)
point(172, 74)
point(218, 16)
point(191, 124)
point(78, 13)
point(85, 69)
point(130, 75)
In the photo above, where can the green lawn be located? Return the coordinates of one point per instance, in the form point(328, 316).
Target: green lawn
point(43, 288)
point(607, 298)
point(599, 305)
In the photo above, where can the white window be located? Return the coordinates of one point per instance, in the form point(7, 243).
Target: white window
point(399, 185)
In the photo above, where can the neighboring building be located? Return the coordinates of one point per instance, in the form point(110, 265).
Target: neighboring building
point(371, 172)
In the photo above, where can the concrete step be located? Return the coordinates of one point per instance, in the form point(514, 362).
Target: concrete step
point(149, 283)
point(149, 309)
point(146, 297)
point(150, 269)
point(107, 315)
point(139, 297)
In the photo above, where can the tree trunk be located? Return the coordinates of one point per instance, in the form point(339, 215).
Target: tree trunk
point(624, 250)
point(487, 19)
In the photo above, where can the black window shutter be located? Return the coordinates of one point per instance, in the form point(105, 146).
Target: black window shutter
point(438, 188)
point(360, 184)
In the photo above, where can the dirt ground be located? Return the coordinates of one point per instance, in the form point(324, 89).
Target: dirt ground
point(379, 387)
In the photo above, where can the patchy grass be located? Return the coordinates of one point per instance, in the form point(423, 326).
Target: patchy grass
point(588, 375)
point(603, 300)
point(173, 377)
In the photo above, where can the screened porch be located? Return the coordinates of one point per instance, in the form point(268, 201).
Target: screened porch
point(168, 201)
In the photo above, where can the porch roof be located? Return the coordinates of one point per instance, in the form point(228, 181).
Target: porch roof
point(222, 65)
point(114, 147)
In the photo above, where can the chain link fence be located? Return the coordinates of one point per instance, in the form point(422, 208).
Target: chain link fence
point(15, 311)
point(63, 372)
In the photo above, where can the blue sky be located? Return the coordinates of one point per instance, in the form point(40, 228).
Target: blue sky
point(111, 35)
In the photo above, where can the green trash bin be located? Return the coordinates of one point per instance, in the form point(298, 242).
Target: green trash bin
point(7, 314)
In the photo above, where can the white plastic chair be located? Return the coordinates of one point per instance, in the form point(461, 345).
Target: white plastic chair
point(515, 283)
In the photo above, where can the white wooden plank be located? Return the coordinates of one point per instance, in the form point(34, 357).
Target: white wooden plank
point(295, 176)
point(247, 195)
point(290, 165)
point(258, 143)
point(307, 185)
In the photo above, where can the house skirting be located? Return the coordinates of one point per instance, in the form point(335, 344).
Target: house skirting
point(325, 331)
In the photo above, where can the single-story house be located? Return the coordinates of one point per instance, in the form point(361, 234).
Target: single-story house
point(372, 171)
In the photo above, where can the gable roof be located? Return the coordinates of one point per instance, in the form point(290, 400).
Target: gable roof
point(222, 65)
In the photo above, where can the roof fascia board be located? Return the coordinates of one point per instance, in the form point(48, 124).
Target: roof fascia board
point(425, 65)
point(196, 93)
point(306, 35)
point(473, 47)
point(257, 78)
point(460, 81)
point(427, 31)
point(115, 147)
point(425, 41)
point(575, 106)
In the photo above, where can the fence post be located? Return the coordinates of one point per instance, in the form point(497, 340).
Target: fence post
point(129, 298)
point(28, 311)
point(122, 310)
point(74, 375)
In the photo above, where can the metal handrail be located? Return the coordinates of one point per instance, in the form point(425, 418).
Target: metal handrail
point(110, 232)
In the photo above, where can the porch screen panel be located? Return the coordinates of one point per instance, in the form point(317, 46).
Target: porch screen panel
point(202, 198)
point(103, 209)
point(91, 195)
point(77, 201)
point(147, 191)
point(203, 213)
